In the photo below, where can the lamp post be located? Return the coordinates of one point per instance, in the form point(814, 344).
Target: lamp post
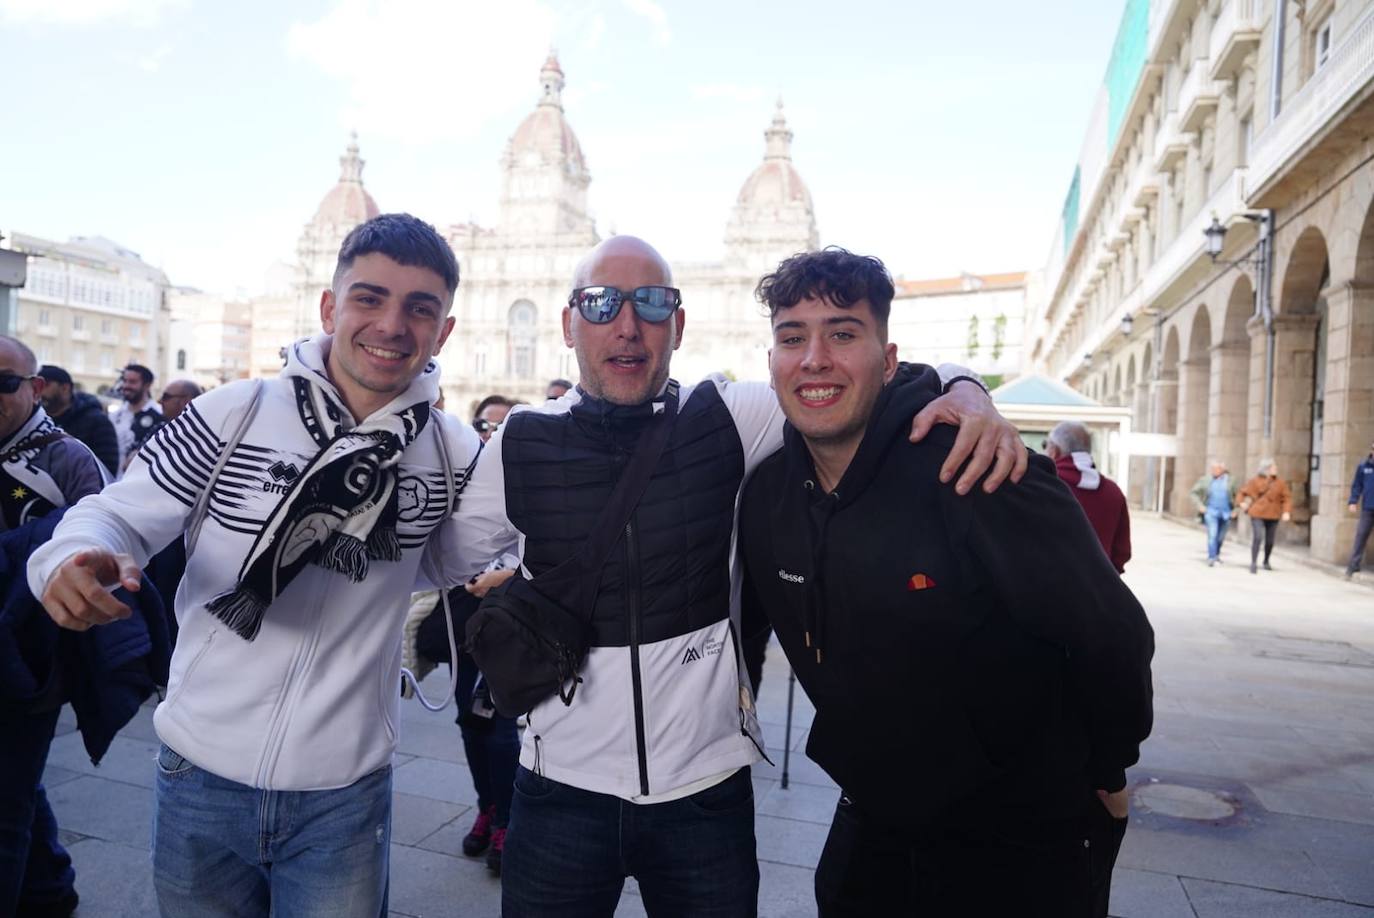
point(1263, 262)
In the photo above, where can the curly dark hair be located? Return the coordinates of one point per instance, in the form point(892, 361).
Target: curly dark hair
point(833, 274)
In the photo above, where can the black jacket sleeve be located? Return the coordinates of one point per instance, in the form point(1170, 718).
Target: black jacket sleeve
point(1045, 563)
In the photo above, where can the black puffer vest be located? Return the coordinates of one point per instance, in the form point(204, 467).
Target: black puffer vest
point(559, 472)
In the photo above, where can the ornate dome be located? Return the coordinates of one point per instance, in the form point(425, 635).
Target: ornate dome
point(776, 182)
point(545, 134)
point(347, 203)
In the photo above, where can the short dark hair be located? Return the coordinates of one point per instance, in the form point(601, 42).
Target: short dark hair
point(145, 373)
point(405, 240)
point(833, 274)
point(55, 374)
point(487, 402)
point(559, 382)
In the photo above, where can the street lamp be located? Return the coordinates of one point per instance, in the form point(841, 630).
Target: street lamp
point(1216, 238)
point(1127, 325)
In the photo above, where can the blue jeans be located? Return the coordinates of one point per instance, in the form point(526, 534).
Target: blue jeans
point(227, 850)
point(569, 851)
point(1362, 530)
point(34, 867)
point(1217, 521)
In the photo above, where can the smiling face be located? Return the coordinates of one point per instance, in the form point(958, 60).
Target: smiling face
point(626, 360)
point(828, 366)
point(387, 321)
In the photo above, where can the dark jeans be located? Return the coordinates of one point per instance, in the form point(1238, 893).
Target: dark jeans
point(1362, 531)
point(490, 744)
point(1262, 530)
point(569, 851)
point(972, 868)
point(34, 867)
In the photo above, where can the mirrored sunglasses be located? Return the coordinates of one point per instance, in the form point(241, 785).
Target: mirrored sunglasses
point(600, 305)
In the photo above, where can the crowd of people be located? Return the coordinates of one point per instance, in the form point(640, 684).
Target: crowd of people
point(259, 551)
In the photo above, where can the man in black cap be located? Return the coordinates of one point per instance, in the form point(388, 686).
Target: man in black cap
point(81, 415)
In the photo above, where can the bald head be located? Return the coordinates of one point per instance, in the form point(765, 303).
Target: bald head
point(617, 253)
point(16, 356)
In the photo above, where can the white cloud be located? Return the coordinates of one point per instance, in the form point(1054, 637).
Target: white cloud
point(152, 62)
point(656, 16)
point(595, 30)
point(730, 91)
point(425, 70)
point(86, 12)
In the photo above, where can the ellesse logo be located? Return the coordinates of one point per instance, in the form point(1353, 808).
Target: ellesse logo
point(790, 577)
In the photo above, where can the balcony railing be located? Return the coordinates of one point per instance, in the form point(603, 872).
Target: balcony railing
point(1236, 33)
point(1349, 68)
point(1198, 97)
point(1171, 145)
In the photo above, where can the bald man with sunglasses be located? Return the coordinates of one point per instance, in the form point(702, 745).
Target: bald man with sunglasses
point(645, 771)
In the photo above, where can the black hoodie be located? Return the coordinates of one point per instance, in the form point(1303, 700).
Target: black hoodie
point(87, 420)
point(959, 650)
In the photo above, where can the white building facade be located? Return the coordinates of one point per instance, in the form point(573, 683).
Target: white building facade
point(91, 306)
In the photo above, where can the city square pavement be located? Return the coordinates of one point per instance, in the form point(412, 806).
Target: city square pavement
point(1254, 797)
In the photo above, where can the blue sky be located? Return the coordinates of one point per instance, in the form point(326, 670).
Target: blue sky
point(939, 136)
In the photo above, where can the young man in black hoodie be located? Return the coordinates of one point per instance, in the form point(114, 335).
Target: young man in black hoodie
point(981, 675)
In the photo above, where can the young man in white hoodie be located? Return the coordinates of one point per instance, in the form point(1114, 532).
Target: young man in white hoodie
point(273, 789)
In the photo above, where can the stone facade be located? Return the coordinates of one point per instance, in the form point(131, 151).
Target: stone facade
point(91, 306)
point(1268, 350)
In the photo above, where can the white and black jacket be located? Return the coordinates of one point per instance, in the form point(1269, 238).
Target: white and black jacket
point(311, 703)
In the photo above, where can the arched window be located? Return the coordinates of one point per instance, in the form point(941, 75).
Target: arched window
point(521, 332)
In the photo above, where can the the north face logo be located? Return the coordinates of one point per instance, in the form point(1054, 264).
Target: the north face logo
point(690, 656)
point(283, 472)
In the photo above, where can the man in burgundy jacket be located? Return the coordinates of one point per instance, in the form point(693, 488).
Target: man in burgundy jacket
point(1070, 446)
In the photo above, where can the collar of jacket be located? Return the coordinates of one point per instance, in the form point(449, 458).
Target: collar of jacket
point(913, 386)
point(589, 409)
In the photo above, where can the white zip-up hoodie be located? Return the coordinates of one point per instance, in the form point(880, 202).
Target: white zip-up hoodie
point(312, 702)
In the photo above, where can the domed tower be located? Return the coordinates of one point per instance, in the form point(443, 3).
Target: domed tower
point(773, 217)
point(345, 206)
point(544, 175)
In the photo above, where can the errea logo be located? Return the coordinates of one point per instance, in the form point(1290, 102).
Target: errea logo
point(790, 577)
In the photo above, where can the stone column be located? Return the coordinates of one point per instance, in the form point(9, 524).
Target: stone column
point(1226, 419)
point(1139, 400)
point(1348, 425)
point(1194, 381)
point(1254, 440)
point(1290, 440)
point(1164, 395)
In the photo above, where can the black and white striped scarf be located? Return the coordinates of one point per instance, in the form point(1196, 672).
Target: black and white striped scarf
point(340, 514)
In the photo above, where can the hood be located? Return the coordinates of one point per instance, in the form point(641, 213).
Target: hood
point(911, 389)
point(307, 359)
point(1078, 470)
point(85, 403)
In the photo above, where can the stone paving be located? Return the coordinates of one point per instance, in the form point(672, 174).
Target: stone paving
point(1254, 797)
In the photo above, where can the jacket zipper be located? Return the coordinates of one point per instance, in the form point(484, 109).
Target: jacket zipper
point(739, 682)
point(632, 597)
point(276, 731)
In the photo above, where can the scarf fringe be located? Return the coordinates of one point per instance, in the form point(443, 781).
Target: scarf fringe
point(344, 554)
point(240, 610)
point(383, 544)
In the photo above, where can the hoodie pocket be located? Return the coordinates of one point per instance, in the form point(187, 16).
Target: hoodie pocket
point(185, 677)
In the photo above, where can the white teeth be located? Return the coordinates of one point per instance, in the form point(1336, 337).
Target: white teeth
point(816, 395)
point(383, 352)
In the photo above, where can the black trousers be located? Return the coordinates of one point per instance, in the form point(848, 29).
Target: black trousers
point(1262, 530)
point(969, 869)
